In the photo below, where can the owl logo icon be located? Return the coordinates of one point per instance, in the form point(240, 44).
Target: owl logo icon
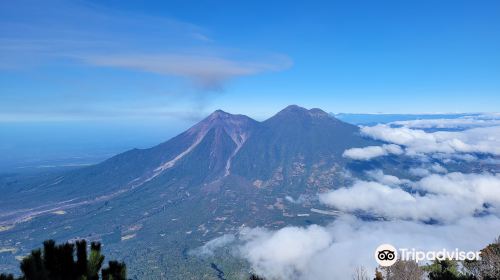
point(386, 255)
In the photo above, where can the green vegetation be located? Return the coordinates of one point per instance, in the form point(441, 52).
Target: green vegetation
point(445, 269)
point(57, 262)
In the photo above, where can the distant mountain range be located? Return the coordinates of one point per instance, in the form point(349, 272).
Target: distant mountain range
point(151, 206)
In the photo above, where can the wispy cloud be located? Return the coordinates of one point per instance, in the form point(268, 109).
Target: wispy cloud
point(206, 72)
point(209, 248)
point(135, 41)
point(183, 58)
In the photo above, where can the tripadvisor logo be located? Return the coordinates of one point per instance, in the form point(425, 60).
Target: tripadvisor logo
point(387, 255)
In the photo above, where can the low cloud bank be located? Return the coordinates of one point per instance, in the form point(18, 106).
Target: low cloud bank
point(445, 139)
point(442, 198)
point(333, 251)
point(463, 211)
point(349, 242)
point(286, 253)
point(484, 140)
point(481, 120)
point(370, 152)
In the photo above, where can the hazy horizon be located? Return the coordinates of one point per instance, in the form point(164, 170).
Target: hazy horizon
point(42, 146)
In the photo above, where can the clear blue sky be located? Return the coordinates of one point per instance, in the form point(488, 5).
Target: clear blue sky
point(119, 59)
point(91, 78)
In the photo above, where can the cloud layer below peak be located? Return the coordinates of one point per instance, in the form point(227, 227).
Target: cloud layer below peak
point(458, 138)
point(475, 140)
point(322, 252)
point(442, 198)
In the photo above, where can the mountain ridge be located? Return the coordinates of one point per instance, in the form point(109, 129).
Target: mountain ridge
point(254, 147)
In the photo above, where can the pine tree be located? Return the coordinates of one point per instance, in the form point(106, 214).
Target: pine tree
point(81, 257)
point(95, 261)
point(444, 270)
point(115, 271)
point(57, 262)
point(32, 266)
point(6, 277)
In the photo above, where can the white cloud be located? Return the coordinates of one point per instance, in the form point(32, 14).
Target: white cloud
point(473, 121)
point(436, 167)
point(379, 176)
point(443, 198)
point(476, 140)
point(427, 170)
point(285, 253)
point(299, 200)
point(371, 197)
point(477, 134)
point(333, 251)
point(367, 153)
point(477, 188)
point(419, 171)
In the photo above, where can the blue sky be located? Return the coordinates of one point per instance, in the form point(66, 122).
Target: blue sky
point(166, 64)
point(72, 60)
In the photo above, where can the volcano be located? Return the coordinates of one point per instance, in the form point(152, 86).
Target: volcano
point(150, 207)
